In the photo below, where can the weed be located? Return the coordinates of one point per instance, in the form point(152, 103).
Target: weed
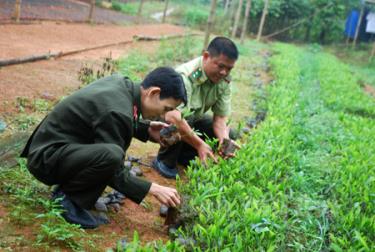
point(25, 121)
point(55, 230)
point(87, 74)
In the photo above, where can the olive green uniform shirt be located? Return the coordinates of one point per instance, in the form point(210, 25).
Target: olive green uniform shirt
point(202, 94)
point(102, 112)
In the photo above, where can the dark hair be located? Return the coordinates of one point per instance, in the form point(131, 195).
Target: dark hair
point(169, 81)
point(223, 45)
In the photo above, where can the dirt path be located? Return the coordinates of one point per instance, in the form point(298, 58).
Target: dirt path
point(53, 78)
point(67, 10)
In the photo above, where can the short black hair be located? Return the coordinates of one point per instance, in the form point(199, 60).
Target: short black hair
point(169, 81)
point(223, 45)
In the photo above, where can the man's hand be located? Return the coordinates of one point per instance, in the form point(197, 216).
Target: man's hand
point(227, 148)
point(154, 130)
point(204, 152)
point(165, 195)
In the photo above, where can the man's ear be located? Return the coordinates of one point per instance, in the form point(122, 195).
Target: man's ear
point(153, 92)
point(205, 55)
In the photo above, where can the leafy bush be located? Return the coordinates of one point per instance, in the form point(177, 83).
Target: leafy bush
point(195, 16)
point(128, 8)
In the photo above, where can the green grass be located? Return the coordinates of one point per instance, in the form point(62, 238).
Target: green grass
point(358, 60)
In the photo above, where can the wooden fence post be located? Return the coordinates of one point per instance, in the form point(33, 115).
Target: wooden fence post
point(92, 7)
point(17, 10)
point(358, 26)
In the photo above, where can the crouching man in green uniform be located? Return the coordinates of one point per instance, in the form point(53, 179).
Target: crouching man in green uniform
point(80, 145)
point(207, 83)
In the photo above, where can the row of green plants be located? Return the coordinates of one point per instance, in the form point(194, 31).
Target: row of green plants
point(304, 181)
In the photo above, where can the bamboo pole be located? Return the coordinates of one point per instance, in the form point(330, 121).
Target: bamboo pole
point(165, 11)
point(358, 26)
point(17, 10)
point(91, 13)
point(264, 14)
point(236, 21)
point(244, 26)
point(210, 22)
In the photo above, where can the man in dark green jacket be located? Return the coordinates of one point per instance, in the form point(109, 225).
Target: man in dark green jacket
point(80, 145)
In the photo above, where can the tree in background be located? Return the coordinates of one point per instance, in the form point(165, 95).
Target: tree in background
point(237, 19)
point(263, 19)
point(246, 19)
point(210, 23)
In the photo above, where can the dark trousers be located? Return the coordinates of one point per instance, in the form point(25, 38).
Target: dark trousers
point(181, 152)
point(83, 171)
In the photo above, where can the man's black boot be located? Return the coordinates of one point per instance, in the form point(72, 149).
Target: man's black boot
point(73, 213)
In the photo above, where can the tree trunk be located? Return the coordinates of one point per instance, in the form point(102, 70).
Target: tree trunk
point(165, 11)
point(140, 11)
point(263, 19)
point(244, 26)
point(17, 10)
point(308, 31)
point(92, 7)
point(236, 21)
point(210, 22)
point(226, 6)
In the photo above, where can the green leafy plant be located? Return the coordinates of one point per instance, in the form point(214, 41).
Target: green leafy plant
point(55, 230)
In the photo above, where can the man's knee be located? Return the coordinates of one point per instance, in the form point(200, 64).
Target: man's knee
point(112, 156)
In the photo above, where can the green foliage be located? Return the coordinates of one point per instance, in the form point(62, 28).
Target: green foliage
point(195, 16)
point(136, 65)
point(130, 9)
point(55, 230)
point(25, 121)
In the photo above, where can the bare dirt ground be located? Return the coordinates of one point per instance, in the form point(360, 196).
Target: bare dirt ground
point(57, 77)
point(67, 10)
point(52, 78)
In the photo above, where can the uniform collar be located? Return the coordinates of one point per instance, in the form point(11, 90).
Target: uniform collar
point(136, 90)
point(203, 78)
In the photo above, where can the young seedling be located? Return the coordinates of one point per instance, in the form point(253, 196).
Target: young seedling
point(169, 136)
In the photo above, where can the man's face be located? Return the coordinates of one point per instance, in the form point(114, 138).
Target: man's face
point(217, 67)
point(153, 108)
